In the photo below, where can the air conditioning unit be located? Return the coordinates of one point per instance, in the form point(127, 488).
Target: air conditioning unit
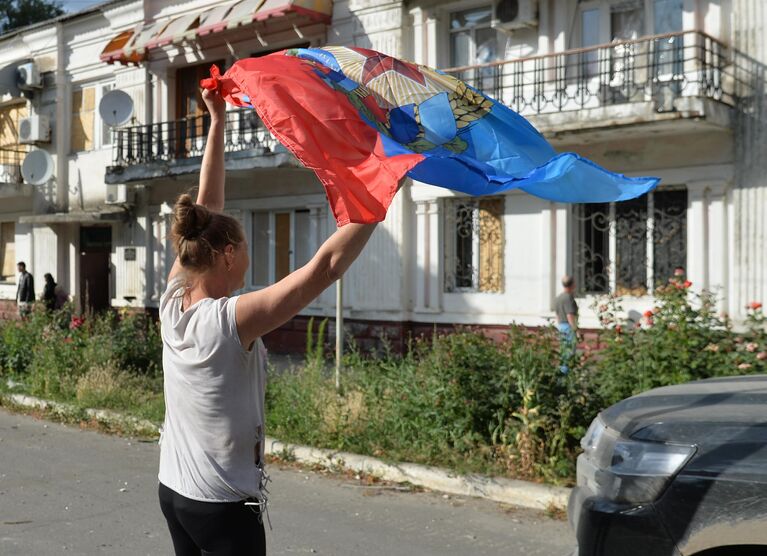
point(509, 15)
point(35, 128)
point(28, 77)
point(119, 194)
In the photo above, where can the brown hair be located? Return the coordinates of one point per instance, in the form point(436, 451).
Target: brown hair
point(200, 234)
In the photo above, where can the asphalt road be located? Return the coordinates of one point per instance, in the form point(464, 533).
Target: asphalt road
point(69, 491)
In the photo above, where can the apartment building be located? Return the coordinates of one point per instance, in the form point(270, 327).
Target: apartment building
point(672, 88)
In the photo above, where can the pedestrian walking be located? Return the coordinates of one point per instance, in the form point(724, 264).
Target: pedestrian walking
point(212, 481)
point(566, 309)
point(49, 292)
point(25, 291)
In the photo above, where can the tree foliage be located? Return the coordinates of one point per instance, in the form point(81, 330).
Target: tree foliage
point(15, 14)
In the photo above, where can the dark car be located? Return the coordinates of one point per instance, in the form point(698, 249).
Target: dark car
point(680, 470)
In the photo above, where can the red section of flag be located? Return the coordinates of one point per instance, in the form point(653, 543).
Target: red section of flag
point(323, 129)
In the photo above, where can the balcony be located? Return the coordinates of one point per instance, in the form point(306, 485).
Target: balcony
point(165, 149)
point(11, 184)
point(655, 80)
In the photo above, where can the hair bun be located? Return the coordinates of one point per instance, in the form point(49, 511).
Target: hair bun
point(190, 219)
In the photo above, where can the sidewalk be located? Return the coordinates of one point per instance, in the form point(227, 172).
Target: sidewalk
point(508, 491)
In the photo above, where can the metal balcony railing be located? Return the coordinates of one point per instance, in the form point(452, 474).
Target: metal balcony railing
point(184, 139)
point(658, 69)
point(10, 164)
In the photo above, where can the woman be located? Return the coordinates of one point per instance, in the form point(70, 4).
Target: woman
point(49, 292)
point(212, 445)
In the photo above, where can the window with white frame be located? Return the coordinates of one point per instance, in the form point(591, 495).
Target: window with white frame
point(8, 252)
point(280, 243)
point(474, 41)
point(474, 245)
point(632, 247)
point(604, 21)
point(88, 130)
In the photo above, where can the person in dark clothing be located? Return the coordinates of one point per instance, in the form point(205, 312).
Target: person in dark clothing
point(49, 292)
point(566, 310)
point(25, 291)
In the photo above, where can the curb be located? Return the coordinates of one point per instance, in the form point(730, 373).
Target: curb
point(507, 491)
point(137, 426)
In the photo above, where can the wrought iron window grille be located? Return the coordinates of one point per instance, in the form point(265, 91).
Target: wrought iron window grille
point(629, 248)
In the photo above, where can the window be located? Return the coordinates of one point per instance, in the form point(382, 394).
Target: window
point(590, 36)
point(632, 247)
point(88, 130)
point(281, 243)
point(10, 117)
point(474, 41)
point(7, 252)
point(192, 123)
point(474, 244)
point(669, 54)
point(627, 20)
point(105, 133)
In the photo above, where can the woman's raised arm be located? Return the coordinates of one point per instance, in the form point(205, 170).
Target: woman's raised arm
point(212, 172)
point(262, 311)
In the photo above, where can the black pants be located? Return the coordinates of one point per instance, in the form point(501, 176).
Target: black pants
point(212, 528)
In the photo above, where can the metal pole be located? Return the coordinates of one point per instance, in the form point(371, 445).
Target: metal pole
point(339, 330)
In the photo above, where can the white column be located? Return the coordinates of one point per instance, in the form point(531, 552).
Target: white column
point(428, 257)
point(718, 252)
point(697, 235)
point(434, 40)
point(419, 44)
point(318, 215)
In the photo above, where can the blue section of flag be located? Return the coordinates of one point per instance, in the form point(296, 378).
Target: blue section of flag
point(470, 142)
point(505, 152)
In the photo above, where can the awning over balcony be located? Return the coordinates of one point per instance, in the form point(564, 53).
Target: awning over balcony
point(113, 51)
point(176, 31)
point(130, 47)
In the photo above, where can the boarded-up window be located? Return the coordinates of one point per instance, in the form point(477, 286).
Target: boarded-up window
point(83, 114)
point(10, 116)
point(7, 252)
point(474, 245)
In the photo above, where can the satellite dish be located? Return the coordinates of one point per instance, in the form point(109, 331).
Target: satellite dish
point(37, 167)
point(116, 108)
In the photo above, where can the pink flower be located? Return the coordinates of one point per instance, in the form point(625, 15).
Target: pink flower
point(76, 322)
point(619, 329)
point(751, 346)
point(754, 305)
point(762, 355)
point(687, 283)
point(744, 366)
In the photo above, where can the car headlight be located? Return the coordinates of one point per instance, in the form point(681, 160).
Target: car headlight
point(625, 470)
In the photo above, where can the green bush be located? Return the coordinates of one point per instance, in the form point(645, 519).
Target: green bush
point(460, 400)
point(51, 352)
point(681, 338)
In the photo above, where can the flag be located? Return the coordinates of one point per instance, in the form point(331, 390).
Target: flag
point(363, 121)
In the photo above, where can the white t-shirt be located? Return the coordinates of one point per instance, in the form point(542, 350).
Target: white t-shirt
point(212, 442)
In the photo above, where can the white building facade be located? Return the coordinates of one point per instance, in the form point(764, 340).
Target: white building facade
point(670, 88)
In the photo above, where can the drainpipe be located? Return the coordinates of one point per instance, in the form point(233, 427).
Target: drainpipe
point(67, 267)
point(62, 123)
